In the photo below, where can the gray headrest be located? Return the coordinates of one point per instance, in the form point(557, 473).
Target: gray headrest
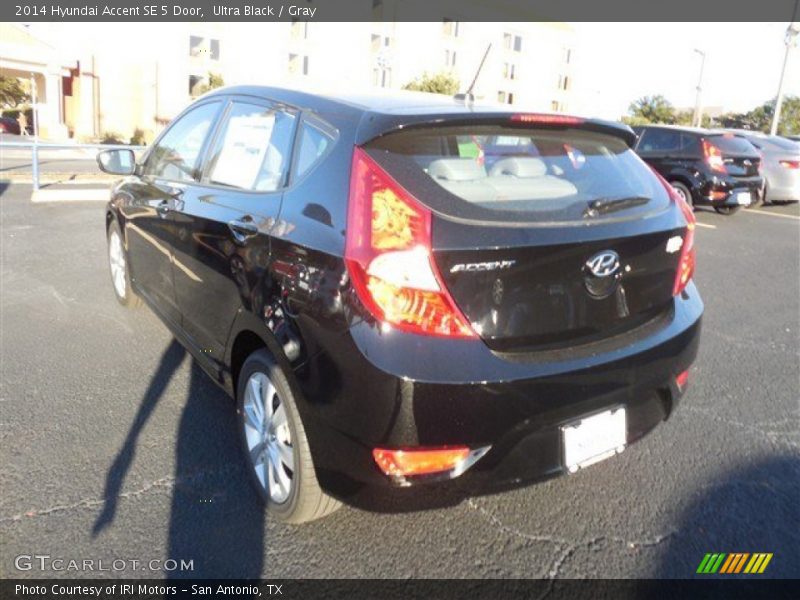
point(519, 167)
point(456, 169)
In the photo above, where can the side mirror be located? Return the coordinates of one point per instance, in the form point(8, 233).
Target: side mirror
point(117, 161)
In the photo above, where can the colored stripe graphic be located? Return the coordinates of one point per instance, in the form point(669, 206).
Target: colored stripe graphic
point(711, 563)
point(733, 562)
point(765, 563)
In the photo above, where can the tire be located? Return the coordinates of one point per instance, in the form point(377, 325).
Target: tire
point(118, 268)
point(683, 192)
point(758, 199)
point(290, 492)
point(727, 210)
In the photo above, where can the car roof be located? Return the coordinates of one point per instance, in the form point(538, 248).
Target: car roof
point(381, 111)
point(682, 128)
point(390, 101)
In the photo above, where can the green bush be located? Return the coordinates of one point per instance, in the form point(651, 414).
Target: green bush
point(111, 137)
point(138, 137)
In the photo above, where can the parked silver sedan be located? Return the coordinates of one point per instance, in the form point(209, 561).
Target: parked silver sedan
point(780, 164)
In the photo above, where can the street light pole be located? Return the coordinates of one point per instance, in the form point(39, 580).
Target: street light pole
point(697, 120)
point(791, 40)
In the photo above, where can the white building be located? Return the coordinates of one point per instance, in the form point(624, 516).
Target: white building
point(117, 86)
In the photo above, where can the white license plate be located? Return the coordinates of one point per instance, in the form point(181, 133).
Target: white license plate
point(593, 438)
point(743, 198)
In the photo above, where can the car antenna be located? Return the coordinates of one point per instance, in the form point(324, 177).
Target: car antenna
point(468, 96)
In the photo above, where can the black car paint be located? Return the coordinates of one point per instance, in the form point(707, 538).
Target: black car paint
point(360, 386)
point(691, 169)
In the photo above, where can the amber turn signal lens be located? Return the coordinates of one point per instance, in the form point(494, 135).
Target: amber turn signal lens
point(399, 463)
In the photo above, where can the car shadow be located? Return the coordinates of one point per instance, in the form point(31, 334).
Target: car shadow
point(216, 524)
point(752, 509)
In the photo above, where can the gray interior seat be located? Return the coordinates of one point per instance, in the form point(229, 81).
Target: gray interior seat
point(526, 178)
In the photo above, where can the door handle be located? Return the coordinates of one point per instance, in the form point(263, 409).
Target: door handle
point(243, 229)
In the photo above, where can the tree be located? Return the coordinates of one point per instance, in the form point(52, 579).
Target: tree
point(652, 109)
point(215, 80)
point(11, 92)
point(440, 83)
point(760, 118)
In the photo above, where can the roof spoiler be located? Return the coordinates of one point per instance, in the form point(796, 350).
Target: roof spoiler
point(375, 125)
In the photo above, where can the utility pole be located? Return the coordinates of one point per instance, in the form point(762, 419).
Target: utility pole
point(697, 120)
point(790, 40)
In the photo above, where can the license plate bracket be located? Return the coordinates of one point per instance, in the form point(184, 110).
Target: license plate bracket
point(593, 438)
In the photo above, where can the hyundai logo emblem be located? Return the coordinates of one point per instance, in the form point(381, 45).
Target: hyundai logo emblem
point(603, 264)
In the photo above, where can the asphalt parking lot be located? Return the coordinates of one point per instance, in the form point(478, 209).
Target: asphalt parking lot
point(115, 446)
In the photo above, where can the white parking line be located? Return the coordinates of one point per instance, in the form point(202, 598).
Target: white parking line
point(771, 214)
point(706, 225)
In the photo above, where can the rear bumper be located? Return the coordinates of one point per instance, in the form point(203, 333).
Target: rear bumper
point(431, 392)
point(722, 191)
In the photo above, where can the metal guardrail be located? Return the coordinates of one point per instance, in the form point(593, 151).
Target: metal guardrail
point(35, 146)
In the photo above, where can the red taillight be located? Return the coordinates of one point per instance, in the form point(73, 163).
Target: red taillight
point(686, 263)
point(682, 379)
point(400, 463)
point(713, 156)
point(790, 164)
point(389, 259)
point(546, 119)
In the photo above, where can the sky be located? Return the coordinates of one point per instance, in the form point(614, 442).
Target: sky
point(617, 63)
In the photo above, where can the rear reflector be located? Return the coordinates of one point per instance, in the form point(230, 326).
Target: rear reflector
point(682, 379)
point(401, 463)
point(790, 164)
point(546, 119)
point(717, 195)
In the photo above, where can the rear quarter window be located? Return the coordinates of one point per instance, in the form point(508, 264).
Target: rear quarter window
point(496, 173)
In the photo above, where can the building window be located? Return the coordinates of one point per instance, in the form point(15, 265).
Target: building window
point(505, 97)
point(450, 58)
point(567, 55)
point(380, 41)
point(509, 71)
point(195, 85)
point(449, 28)
point(563, 82)
point(203, 47)
point(382, 77)
point(512, 42)
point(300, 30)
point(298, 64)
point(554, 106)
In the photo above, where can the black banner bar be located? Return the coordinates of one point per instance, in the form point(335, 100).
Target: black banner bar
point(393, 589)
point(397, 10)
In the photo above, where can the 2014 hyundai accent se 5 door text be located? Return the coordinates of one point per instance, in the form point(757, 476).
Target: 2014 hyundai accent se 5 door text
point(410, 298)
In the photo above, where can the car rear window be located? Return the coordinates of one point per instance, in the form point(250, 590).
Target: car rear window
point(497, 173)
point(731, 144)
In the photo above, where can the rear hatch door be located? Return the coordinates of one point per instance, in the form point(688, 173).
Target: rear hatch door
point(547, 234)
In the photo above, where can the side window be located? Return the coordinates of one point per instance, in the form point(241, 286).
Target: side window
point(661, 141)
point(253, 149)
point(690, 145)
point(313, 144)
point(176, 154)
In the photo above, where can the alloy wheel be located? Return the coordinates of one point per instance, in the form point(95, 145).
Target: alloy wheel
point(116, 259)
point(269, 440)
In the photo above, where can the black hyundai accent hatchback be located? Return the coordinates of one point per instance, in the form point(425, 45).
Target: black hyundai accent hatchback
point(400, 309)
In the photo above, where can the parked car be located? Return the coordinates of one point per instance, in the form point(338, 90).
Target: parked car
point(794, 138)
point(710, 168)
point(9, 125)
point(392, 317)
point(780, 164)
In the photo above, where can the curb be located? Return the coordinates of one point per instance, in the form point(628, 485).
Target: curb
point(62, 195)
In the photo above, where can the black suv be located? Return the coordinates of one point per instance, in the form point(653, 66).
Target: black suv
point(399, 322)
point(705, 167)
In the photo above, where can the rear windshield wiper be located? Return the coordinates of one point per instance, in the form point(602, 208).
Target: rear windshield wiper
point(602, 206)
